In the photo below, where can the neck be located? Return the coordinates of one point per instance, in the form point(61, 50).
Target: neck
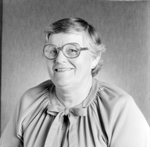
point(72, 96)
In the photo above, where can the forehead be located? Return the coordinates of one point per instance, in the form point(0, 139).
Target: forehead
point(63, 38)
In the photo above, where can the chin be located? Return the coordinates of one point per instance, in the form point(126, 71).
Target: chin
point(62, 82)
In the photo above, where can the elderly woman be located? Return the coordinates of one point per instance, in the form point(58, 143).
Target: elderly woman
point(73, 109)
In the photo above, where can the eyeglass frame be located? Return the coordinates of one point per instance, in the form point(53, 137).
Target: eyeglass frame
point(61, 49)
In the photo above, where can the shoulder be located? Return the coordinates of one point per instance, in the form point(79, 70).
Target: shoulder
point(116, 105)
point(33, 102)
point(36, 94)
point(39, 89)
point(112, 94)
point(113, 100)
point(120, 114)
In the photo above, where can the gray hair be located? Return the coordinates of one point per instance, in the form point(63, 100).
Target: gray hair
point(92, 37)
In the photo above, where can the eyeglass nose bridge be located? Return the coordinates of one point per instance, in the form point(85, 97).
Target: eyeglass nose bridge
point(60, 49)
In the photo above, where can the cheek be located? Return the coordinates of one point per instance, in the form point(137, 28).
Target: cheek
point(50, 67)
point(83, 66)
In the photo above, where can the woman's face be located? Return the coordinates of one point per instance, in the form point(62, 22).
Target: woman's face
point(69, 72)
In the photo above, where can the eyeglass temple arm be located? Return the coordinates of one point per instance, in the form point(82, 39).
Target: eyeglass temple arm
point(84, 48)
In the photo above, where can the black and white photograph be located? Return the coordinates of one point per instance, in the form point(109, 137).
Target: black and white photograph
point(74, 73)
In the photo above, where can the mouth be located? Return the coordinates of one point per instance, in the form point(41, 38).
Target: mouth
point(62, 69)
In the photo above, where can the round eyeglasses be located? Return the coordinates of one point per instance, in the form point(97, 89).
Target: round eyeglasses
point(70, 50)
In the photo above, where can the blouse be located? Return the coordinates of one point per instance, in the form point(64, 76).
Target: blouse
point(108, 117)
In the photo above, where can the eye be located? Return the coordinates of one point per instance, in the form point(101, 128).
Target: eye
point(53, 52)
point(72, 50)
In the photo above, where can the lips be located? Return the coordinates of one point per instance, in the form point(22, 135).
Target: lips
point(62, 69)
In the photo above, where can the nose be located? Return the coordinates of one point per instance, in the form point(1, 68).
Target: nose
point(61, 58)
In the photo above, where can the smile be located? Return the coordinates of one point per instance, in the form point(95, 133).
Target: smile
point(62, 69)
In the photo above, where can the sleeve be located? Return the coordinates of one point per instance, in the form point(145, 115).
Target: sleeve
point(124, 123)
point(13, 133)
point(33, 101)
point(10, 136)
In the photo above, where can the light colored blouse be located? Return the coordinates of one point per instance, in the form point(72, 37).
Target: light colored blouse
point(108, 117)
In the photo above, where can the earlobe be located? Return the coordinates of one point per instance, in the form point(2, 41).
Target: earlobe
point(95, 62)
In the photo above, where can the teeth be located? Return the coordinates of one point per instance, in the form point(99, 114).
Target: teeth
point(62, 70)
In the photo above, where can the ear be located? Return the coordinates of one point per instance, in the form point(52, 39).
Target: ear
point(95, 62)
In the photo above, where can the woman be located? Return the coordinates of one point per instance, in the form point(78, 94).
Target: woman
point(73, 109)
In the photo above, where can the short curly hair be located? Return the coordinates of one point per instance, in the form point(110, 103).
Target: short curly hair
point(92, 37)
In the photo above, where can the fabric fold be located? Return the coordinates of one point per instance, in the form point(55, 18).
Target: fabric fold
point(59, 112)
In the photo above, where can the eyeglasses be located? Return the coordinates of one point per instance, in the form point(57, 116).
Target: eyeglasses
point(70, 50)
